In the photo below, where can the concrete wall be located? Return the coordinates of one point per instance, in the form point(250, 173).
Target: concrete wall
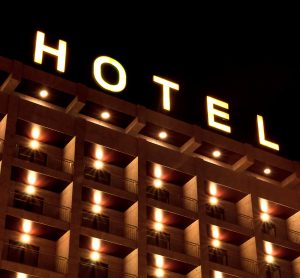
point(131, 263)
point(3, 127)
point(195, 273)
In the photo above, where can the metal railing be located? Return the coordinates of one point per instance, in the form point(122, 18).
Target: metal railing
point(109, 225)
point(103, 271)
point(31, 203)
point(44, 159)
point(225, 257)
point(160, 240)
point(25, 254)
point(172, 199)
point(107, 178)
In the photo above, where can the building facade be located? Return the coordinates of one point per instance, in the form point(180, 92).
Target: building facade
point(93, 186)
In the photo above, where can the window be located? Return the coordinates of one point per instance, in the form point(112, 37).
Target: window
point(160, 239)
point(95, 221)
point(217, 255)
point(32, 155)
point(28, 202)
point(158, 194)
point(90, 269)
point(215, 211)
point(272, 271)
point(97, 175)
point(269, 228)
point(23, 253)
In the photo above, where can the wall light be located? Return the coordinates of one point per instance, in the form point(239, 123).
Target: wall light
point(97, 197)
point(268, 248)
point(31, 178)
point(159, 272)
point(269, 259)
point(216, 243)
point(267, 171)
point(157, 171)
point(105, 115)
point(34, 144)
point(98, 164)
point(265, 217)
point(157, 183)
point(159, 261)
point(96, 209)
point(213, 200)
point(43, 93)
point(21, 275)
point(158, 215)
point(215, 232)
point(96, 244)
point(158, 226)
point(99, 153)
point(163, 135)
point(216, 153)
point(25, 238)
point(26, 226)
point(264, 206)
point(218, 274)
point(30, 189)
point(95, 256)
point(212, 188)
point(35, 132)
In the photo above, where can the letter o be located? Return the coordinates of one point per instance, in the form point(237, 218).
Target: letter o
point(120, 86)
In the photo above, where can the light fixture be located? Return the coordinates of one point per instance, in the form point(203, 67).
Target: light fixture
point(267, 171)
point(157, 171)
point(30, 189)
point(269, 259)
point(35, 132)
point(218, 274)
point(158, 226)
point(159, 261)
point(213, 200)
point(215, 232)
point(158, 215)
point(95, 256)
point(96, 209)
point(95, 244)
point(157, 183)
point(21, 275)
point(26, 226)
point(31, 178)
point(34, 144)
point(97, 197)
point(216, 243)
point(163, 135)
point(212, 188)
point(25, 238)
point(265, 217)
point(43, 93)
point(105, 115)
point(98, 164)
point(99, 153)
point(159, 272)
point(264, 206)
point(216, 153)
point(268, 248)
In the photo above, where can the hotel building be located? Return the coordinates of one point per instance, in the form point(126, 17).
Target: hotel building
point(93, 186)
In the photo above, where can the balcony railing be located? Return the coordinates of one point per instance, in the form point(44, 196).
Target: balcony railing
point(44, 159)
point(222, 256)
point(91, 269)
point(172, 199)
point(108, 225)
point(219, 212)
point(35, 204)
point(107, 178)
point(25, 254)
point(276, 271)
point(163, 240)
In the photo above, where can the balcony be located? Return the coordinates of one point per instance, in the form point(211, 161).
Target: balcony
point(225, 257)
point(29, 255)
point(163, 240)
point(35, 204)
point(89, 269)
point(177, 200)
point(107, 178)
point(44, 159)
point(108, 225)
point(220, 212)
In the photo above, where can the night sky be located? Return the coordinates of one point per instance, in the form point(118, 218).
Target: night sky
point(250, 61)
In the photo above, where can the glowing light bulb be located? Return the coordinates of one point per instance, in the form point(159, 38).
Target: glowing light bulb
point(157, 183)
point(30, 189)
point(157, 171)
point(158, 215)
point(264, 206)
point(25, 238)
point(216, 154)
point(159, 272)
point(215, 232)
point(212, 188)
point(43, 93)
point(218, 274)
point(35, 132)
point(158, 226)
point(268, 248)
point(26, 226)
point(163, 135)
point(95, 244)
point(267, 171)
point(99, 153)
point(159, 261)
point(31, 178)
point(97, 209)
point(213, 200)
point(105, 115)
point(21, 275)
point(98, 164)
point(95, 256)
point(265, 217)
point(216, 243)
point(97, 197)
point(34, 144)
point(269, 259)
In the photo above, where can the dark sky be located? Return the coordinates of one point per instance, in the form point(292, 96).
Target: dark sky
point(250, 60)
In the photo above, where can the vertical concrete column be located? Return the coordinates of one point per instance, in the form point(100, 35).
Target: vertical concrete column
point(201, 182)
point(258, 235)
point(142, 210)
point(77, 146)
point(8, 127)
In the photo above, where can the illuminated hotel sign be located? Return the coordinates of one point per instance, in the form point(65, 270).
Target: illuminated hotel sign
point(168, 87)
